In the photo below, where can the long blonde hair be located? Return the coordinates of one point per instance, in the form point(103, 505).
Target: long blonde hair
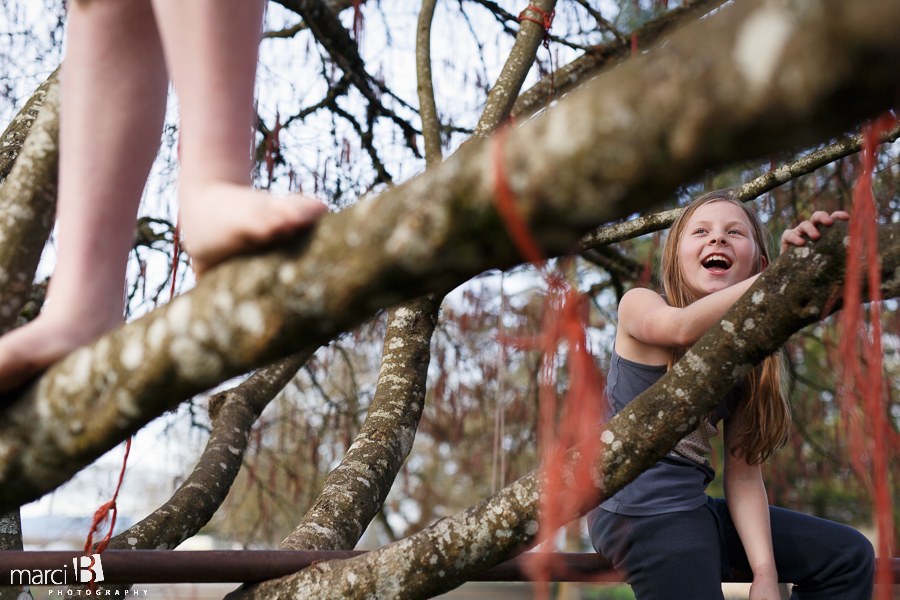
point(765, 416)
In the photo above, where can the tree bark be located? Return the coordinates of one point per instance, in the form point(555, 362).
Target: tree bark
point(233, 413)
point(28, 195)
point(355, 491)
point(629, 139)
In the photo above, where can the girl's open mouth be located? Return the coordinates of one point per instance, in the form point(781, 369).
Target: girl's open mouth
point(717, 263)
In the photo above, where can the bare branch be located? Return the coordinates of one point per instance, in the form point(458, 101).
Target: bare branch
point(355, 491)
point(431, 125)
point(618, 232)
point(329, 32)
point(503, 94)
point(338, 6)
point(623, 41)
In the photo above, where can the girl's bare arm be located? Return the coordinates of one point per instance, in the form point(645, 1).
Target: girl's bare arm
point(749, 509)
point(645, 319)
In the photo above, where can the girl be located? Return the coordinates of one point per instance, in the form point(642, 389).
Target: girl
point(661, 531)
point(119, 57)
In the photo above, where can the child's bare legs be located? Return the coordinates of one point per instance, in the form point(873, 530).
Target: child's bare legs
point(211, 49)
point(113, 108)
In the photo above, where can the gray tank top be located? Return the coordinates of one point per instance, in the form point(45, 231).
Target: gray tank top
point(678, 481)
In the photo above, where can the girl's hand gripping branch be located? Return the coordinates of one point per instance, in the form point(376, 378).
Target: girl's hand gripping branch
point(794, 237)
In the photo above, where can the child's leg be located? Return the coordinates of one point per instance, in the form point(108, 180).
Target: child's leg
point(113, 108)
point(673, 556)
point(824, 560)
point(211, 48)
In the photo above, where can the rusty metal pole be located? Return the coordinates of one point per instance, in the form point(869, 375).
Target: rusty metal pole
point(246, 566)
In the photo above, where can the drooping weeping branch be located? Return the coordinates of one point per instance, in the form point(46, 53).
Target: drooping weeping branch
point(617, 147)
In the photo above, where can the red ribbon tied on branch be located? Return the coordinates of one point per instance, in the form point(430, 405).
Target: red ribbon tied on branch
point(546, 21)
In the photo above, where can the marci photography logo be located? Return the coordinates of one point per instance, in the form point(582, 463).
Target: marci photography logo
point(87, 569)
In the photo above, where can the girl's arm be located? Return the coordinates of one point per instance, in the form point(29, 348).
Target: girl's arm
point(745, 494)
point(645, 316)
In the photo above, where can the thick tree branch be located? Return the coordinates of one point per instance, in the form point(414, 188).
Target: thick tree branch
point(632, 137)
point(28, 196)
point(792, 293)
point(355, 491)
point(618, 232)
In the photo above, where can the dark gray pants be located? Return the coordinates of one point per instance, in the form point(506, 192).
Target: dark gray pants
point(683, 555)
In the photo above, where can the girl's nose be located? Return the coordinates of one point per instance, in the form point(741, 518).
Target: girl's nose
point(718, 239)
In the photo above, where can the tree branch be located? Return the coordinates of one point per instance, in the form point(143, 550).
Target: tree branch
point(355, 491)
point(328, 30)
point(431, 125)
point(233, 413)
point(338, 6)
point(618, 232)
point(503, 94)
point(28, 195)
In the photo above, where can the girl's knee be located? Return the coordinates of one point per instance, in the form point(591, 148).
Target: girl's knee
point(862, 555)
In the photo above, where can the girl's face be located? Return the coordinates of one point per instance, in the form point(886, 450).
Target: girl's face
point(717, 248)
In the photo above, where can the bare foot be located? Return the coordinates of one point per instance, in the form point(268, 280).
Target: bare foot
point(223, 219)
point(27, 351)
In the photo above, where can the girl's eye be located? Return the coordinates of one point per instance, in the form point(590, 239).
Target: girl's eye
point(737, 231)
point(700, 231)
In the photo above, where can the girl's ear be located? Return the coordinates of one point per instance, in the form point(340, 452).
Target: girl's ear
point(763, 263)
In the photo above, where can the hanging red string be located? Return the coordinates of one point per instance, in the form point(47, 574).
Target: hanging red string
point(566, 485)
point(104, 514)
point(863, 399)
